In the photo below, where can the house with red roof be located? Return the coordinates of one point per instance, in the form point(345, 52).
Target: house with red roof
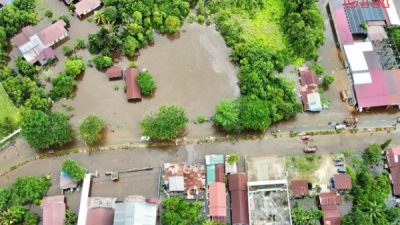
point(309, 90)
point(239, 199)
point(84, 7)
point(329, 205)
point(217, 202)
point(299, 188)
point(132, 86)
point(36, 47)
point(53, 210)
point(341, 182)
point(114, 72)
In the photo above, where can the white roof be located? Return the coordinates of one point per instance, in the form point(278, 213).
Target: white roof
point(362, 78)
point(135, 212)
point(176, 183)
point(392, 13)
point(355, 55)
point(314, 101)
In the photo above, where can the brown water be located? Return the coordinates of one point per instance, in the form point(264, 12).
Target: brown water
point(193, 71)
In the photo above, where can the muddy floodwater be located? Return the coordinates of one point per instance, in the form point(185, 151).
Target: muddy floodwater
point(193, 71)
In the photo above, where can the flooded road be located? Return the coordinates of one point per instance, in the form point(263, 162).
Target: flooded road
point(193, 71)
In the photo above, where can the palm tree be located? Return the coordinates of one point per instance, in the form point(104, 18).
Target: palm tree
point(99, 17)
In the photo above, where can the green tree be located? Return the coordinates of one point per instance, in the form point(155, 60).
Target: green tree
point(79, 44)
point(130, 46)
point(48, 13)
point(227, 115)
point(233, 158)
point(73, 168)
point(26, 5)
point(43, 130)
point(305, 217)
point(25, 68)
point(328, 79)
point(102, 62)
point(63, 87)
point(165, 124)
point(30, 189)
point(180, 211)
point(3, 58)
point(70, 217)
point(172, 24)
point(386, 144)
point(73, 67)
point(38, 101)
point(254, 114)
point(5, 196)
point(13, 19)
point(13, 215)
point(110, 14)
point(68, 50)
point(65, 18)
point(104, 42)
point(372, 155)
point(90, 129)
point(146, 83)
point(3, 38)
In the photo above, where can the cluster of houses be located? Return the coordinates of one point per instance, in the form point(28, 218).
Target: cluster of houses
point(369, 55)
point(309, 90)
point(328, 201)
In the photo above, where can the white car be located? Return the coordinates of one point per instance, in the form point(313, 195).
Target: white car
point(340, 127)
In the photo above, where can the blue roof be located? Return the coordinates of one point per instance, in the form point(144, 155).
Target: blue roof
point(359, 15)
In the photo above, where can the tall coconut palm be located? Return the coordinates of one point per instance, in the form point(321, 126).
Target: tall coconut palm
point(99, 17)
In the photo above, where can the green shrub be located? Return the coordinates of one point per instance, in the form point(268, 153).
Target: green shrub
point(76, 171)
point(146, 83)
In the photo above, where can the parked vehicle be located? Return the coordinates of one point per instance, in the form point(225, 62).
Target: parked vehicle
point(339, 164)
point(310, 149)
point(338, 160)
point(341, 170)
point(340, 127)
point(305, 137)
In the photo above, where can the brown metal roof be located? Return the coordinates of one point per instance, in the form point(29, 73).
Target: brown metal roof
point(393, 157)
point(220, 173)
point(194, 176)
point(299, 188)
point(307, 76)
point(100, 216)
point(132, 87)
point(114, 72)
point(331, 215)
point(342, 182)
point(239, 201)
point(331, 198)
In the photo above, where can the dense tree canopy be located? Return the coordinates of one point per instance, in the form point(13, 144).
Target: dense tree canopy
point(73, 67)
point(90, 129)
point(305, 217)
point(63, 87)
point(165, 124)
point(13, 19)
point(76, 171)
point(227, 115)
point(43, 130)
point(105, 42)
point(30, 189)
point(25, 68)
point(102, 62)
point(146, 83)
point(372, 155)
point(178, 211)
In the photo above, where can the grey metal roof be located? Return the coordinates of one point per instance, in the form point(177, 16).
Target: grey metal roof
point(359, 15)
point(135, 213)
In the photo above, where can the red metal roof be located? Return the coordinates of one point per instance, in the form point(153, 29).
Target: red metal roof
point(100, 216)
point(85, 6)
point(331, 215)
point(307, 76)
point(53, 32)
point(114, 72)
point(395, 177)
point(53, 210)
point(220, 173)
point(217, 201)
point(342, 181)
point(23, 37)
point(330, 198)
point(299, 188)
point(393, 157)
point(132, 87)
point(342, 26)
point(239, 201)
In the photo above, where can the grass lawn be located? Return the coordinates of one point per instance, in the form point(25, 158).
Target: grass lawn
point(304, 163)
point(7, 108)
point(265, 25)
